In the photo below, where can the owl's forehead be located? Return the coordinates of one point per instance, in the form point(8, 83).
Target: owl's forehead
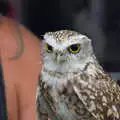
point(63, 38)
point(62, 35)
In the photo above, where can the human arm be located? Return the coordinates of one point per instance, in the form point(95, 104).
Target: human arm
point(20, 75)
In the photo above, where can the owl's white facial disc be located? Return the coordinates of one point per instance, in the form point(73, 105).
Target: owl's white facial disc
point(66, 51)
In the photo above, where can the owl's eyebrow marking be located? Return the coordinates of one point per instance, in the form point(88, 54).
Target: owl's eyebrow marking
point(49, 45)
point(74, 44)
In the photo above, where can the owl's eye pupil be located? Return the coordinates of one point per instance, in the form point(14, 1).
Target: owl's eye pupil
point(74, 48)
point(49, 47)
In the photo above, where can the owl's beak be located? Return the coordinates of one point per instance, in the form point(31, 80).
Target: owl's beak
point(59, 57)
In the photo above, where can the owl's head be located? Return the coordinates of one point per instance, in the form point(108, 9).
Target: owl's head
point(66, 51)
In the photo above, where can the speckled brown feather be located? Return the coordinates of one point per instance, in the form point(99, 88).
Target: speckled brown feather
point(101, 96)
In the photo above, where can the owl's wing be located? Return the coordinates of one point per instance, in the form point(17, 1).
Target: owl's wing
point(41, 110)
point(44, 106)
point(100, 96)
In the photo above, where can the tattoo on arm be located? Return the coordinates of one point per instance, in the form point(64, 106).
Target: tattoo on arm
point(20, 43)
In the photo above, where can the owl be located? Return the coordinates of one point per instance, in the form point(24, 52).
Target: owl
point(72, 84)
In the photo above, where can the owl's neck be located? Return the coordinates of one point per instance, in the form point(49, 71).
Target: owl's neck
point(57, 79)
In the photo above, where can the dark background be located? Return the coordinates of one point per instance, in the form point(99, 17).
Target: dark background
point(99, 19)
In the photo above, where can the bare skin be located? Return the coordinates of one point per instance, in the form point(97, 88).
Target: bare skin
point(20, 74)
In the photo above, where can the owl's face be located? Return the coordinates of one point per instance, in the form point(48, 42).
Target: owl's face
point(66, 51)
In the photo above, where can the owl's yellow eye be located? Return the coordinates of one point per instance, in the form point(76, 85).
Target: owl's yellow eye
point(48, 48)
point(74, 48)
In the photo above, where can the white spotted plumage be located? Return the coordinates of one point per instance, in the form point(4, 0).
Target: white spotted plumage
point(74, 86)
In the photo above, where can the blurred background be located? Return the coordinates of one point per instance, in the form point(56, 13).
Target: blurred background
point(98, 19)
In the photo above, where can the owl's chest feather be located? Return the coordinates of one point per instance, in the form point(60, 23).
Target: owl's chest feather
point(81, 95)
point(63, 97)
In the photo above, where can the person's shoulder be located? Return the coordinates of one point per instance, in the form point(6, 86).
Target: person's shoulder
point(11, 34)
